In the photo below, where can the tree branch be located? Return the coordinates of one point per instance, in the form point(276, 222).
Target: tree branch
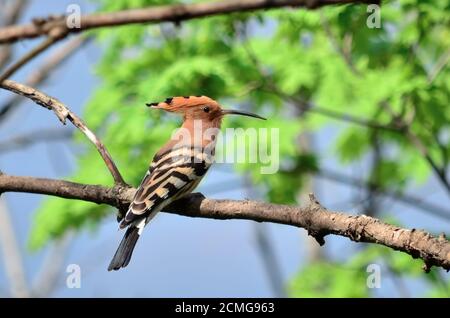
point(10, 16)
point(317, 220)
point(156, 14)
point(63, 113)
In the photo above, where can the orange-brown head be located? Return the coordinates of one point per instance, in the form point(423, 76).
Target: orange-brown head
point(198, 108)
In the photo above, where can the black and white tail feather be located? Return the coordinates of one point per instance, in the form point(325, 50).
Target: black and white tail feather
point(168, 179)
point(123, 254)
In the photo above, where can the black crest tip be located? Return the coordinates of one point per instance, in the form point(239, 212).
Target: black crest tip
point(151, 104)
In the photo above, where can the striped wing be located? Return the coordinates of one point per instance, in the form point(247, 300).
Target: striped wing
point(171, 175)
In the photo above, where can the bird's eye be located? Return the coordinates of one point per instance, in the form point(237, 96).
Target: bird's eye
point(206, 109)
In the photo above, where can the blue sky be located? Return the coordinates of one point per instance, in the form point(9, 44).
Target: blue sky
point(177, 256)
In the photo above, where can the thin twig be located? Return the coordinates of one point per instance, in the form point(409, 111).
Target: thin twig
point(41, 74)
point(363, 122)
point(309, 107)
point(12, 13)
point(10, 16)
point(54, 36)
point(63, 113)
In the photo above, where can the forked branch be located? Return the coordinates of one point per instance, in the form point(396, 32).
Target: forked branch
point(63, 113)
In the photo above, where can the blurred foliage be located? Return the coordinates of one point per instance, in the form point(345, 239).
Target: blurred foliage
point(349, 278)
point(253, 61)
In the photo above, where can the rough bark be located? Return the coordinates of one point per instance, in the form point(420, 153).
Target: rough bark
point(317, 220)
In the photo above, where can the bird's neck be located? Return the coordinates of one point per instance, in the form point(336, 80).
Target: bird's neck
point(200, 133)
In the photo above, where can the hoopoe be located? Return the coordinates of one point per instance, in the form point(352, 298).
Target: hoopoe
point(176, 169)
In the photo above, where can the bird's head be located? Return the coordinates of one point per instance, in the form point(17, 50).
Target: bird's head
point(198, 108)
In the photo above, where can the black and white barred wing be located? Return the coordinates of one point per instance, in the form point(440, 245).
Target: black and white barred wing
point(171, 175)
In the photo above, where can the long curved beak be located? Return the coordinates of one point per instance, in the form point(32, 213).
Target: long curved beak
point(239, 112)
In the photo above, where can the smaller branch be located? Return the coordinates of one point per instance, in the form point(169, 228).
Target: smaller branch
point(350, 119)
point(157, 14)
point(63, 113)
point(41, 74)
point(24, 140)
point(54, 36)
point(311, 108)
point(11, 16)
point(13, 13)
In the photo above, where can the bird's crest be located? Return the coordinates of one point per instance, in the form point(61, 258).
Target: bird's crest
point(182, 102)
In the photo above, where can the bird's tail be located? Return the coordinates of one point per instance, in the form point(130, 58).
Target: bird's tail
point(125, 249)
